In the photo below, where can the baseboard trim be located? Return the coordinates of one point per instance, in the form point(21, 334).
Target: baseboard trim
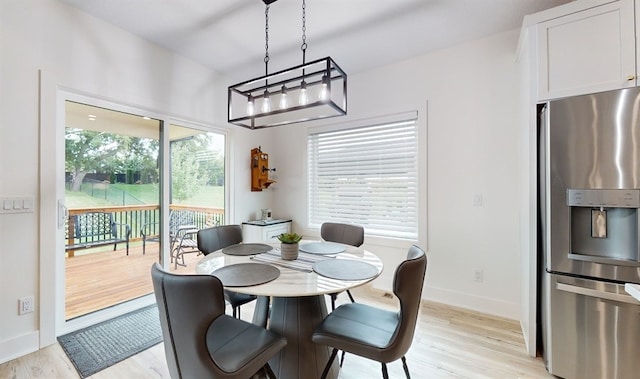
point(483, 305)
point(480, 304)
point(17, 347)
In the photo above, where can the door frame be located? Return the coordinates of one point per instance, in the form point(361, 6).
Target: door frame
point(52, 213)
point(64, 326)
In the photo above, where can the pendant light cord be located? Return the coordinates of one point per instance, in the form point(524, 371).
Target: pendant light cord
point(303, 47)
point(266, 40)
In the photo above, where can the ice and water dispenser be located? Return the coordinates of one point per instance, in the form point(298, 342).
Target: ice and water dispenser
point(604, 225)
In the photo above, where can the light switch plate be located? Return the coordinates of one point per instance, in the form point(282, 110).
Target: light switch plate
point(27, 204)
point(16, 205)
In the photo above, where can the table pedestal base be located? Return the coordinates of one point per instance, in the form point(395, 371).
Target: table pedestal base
point(295, 318)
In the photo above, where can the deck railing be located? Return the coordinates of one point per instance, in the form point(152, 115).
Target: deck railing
point(138, 216)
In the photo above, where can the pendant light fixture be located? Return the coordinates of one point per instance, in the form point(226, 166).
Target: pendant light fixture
point(305, 92)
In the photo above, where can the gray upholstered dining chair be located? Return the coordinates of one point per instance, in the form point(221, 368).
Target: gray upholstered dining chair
point(378, 334)
point(348, 234)
point(219, 237)
point(200, 340)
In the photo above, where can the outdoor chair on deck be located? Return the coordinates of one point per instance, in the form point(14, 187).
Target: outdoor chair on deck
point(219, 237)
point(178, 219)
point(200, 340)
point(182, 234)
point(347, 234)
point(374, 333)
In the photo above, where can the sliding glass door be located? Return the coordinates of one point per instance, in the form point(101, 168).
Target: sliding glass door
point(112, 196)
point(116, 225)
point(197, 190)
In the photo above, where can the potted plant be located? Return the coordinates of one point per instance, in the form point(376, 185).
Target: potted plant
point(289, 245)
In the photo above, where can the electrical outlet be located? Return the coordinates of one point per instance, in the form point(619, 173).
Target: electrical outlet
point(25, 305)
point(478, 275)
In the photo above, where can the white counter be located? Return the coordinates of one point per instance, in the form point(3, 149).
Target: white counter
point(264, 231)
point(633, 290)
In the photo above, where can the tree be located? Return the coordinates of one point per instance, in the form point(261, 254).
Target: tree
point(140, 160)
point(211, 164)
point(194, 164)
point(185, 171)
point(89, 151)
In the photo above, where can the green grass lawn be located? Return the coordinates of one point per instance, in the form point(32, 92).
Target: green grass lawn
point(146, 193)
point(207, 196)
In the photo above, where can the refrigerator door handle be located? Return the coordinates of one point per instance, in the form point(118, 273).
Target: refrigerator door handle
point(607, 261)
point(595, 293)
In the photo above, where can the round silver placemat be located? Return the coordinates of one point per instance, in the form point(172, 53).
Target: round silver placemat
point(322, 248)
point(247, 249)
point(345, 269)
point(246, 274)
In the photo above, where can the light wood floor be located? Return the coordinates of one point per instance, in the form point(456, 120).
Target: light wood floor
point(449, 343)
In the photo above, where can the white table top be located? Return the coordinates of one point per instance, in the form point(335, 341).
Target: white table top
point(293, 283)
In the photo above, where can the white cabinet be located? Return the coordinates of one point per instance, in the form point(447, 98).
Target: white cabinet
point(587, 51)
point(260, 231)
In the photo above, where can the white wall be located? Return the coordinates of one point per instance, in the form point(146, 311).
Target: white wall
point(247, 204)
point(472, 93)
point(472, 144)
point(82, 54)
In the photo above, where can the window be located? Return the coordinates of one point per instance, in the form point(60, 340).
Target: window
point(366, 175)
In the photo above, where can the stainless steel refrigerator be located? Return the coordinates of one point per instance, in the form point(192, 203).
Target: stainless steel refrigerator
point(589, 221)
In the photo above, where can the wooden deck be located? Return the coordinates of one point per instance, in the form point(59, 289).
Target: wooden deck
point(101, 279)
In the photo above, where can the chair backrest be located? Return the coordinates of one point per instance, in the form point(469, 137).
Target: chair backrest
point(218, 237)
point(408, 281)
point(94, 224)
point(348, 234)
point(187, 305)
point(178, 218)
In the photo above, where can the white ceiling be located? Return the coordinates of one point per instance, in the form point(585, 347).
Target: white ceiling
point(89, 117)
point(229, 35)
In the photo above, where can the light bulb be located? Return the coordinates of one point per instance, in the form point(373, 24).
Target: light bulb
point(284, 102)
point(266, 105)
point(324, 90)
point(304, 99)
point(250, 106)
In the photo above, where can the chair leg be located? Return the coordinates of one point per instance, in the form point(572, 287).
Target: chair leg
point(385, 374)
point(342, 358)
point(269, 371)
point(334, 352)
point(333, 301)
point(182, 255)
point(351, 296)
point(406, 369)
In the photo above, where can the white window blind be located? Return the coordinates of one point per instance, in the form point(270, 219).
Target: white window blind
point(366, 175)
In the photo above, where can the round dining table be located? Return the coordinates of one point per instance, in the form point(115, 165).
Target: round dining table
point(291, 298)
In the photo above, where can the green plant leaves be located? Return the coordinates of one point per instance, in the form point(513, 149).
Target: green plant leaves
point(289, 237)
